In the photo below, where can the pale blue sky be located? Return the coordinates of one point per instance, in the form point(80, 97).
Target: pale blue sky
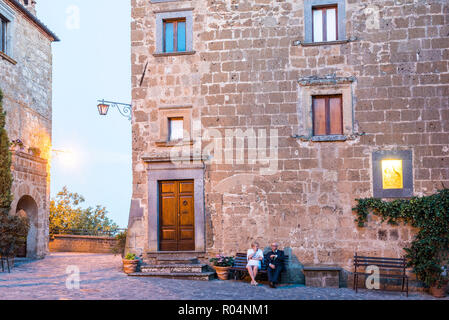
point(91, 62)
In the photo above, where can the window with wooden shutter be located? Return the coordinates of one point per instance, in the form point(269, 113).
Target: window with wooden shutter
point(325, 23)
point(327, 115)
point(174, 35)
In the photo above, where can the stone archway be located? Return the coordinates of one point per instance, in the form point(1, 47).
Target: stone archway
point(27, 206)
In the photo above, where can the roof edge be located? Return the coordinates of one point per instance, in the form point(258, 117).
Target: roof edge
point(34, 19)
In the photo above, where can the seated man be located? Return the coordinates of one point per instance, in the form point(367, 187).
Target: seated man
point(275, 261)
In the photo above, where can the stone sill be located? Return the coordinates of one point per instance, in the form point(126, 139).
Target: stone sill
point(170, 54)
point(325, 43)
point(7, 58)
point(162, 159)
point(178, 143)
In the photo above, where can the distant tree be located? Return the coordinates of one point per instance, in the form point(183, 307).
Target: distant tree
point(5, 164)
point(66, 215)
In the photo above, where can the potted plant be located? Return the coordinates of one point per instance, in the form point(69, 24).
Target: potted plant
point(438, 289)
point(130, 263)
point(222, 264)
point(17, 145)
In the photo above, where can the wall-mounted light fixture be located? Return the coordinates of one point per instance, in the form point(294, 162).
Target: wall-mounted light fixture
point(393, 174)
point(124, 108)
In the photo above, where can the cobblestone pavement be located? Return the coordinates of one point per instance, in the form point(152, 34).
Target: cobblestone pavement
point(102, 279)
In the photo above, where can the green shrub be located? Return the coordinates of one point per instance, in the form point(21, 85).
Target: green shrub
point(120, 247)
point(429, 251)
point(131, 256)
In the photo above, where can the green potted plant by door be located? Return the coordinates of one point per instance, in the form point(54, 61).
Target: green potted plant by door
point(222, 264)
point(130, 263)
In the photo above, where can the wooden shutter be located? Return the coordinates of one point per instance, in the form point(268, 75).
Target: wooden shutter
point(335, 116)
point(327, 115)
point(319, 116)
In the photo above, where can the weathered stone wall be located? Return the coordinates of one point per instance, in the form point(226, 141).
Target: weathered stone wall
point(26, 82)
point(245, 74)
point(86, 244)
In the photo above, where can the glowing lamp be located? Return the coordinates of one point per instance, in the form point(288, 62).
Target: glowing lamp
point(103, 109)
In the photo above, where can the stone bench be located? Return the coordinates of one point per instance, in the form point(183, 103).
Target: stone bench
point(322, 276)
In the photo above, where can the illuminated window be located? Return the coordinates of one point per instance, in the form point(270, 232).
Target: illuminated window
point(392, 174)
point(176, 129)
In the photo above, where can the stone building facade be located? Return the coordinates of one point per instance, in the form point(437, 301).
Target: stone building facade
point(26, 83)
point(254, 66)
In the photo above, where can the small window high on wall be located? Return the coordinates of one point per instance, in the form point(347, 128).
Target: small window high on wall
point(176, 129)
point(327, 115)
point(325, 23)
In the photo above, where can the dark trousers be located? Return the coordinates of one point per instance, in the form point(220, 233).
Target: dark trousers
point(274, 275)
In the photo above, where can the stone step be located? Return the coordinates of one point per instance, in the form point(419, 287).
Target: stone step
point(174, 268)
point(201, 276)
point(176, 253)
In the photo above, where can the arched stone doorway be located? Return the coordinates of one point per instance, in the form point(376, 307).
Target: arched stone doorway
point(28, 207)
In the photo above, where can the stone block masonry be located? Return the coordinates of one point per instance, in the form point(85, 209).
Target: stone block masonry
point(249, 57)
point(26, 82)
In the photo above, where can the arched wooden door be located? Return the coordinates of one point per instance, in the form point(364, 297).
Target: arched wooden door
point(176, 216)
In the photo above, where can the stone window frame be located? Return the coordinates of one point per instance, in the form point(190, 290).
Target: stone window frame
point(186, 14)
point(165, 169)
point(308, 19)
point(168, 112)
point(310, 87)
point(407, 170)
point(9, 15)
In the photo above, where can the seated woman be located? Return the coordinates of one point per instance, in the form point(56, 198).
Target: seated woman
point(255, 257)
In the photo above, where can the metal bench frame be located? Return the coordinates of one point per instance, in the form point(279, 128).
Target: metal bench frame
point(384, 264)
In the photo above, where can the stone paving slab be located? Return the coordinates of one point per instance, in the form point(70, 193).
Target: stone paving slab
point(102, 279)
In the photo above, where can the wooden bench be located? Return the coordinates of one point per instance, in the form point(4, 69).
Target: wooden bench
point(386, 266)
point(239, 270)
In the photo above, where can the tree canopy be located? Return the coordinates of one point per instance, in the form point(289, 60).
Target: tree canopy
point(66, 215)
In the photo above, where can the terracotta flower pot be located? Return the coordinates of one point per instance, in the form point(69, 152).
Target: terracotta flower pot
point(130, 266)
point(439, 292)
point(222, 272)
